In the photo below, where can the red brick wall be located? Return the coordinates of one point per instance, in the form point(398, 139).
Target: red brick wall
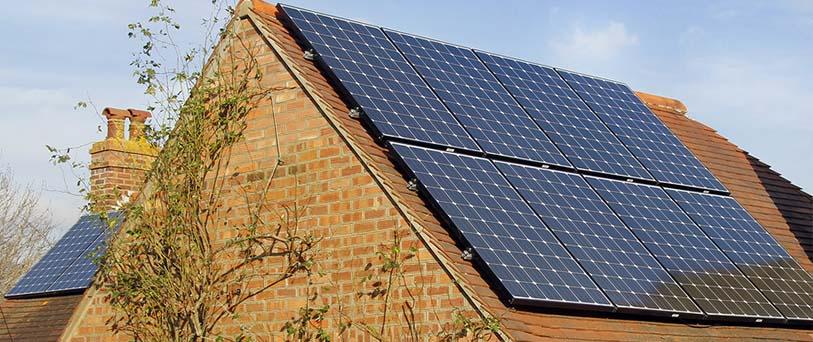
point(344, 205)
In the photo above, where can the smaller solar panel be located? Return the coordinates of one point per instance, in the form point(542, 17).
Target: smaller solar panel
point(769, 266)
point(487, 111)
point(568, 121)
point(392, 96)
point(80, 273)
point(704, 271)
point(608, 251)
point(59, 259)
point(649, 140)
point(513, 244)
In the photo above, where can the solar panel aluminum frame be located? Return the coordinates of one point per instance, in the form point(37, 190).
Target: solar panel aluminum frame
point(348, 98)
point(478, 262)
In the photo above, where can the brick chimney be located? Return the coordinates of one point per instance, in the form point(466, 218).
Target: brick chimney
point(119, 163)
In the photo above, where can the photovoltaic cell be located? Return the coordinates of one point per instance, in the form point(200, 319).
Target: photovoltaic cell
point(649, 140)
point(515, 246)
point(704, 271)
point(786, 284)
point(568, 121)
point(392, 96)
point(60, 258)
point(487, 111)
point(608, 251)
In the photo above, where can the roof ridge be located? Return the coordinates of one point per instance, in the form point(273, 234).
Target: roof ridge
point(661, 102)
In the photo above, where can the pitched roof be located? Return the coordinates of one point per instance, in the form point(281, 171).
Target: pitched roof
point(781, 207)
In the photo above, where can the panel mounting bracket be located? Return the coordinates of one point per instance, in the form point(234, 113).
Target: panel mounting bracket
point(467, 254)
point(309, 54)
point(412, 185)
point(354, 113)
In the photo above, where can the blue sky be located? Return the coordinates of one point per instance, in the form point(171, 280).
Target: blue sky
point(744, 68)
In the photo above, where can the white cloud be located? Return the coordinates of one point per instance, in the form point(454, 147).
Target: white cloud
point(601, 44)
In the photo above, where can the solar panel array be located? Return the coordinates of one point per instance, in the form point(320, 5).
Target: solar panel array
point(570, 123)
point(68, 265)
point(655, 146)
point(495, 120)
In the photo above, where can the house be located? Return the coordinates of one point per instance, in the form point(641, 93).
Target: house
point(359, 199)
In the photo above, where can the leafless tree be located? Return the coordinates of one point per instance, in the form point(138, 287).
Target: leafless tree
point(25, 228)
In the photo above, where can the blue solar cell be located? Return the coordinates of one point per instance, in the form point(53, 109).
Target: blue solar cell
point(649, 140)
point(487, 111)
point(704, 271)
point(583, 138)
point(392, 96)
point(59, 259)
point(769, 266)
point(608, 251)
point(515, 246)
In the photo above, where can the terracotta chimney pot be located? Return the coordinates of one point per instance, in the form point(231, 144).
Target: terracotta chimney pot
point(115, 122)
point(137, 123)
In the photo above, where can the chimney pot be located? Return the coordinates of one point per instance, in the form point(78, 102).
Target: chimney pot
point(137, 123)
point(115, 122)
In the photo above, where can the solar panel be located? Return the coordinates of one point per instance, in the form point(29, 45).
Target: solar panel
point(495, 120)
point(390, 93)
point(608, 251)
point(704, 271)
point(513, 244)
point(649, 140)
point(568, 121)
point(786, 284)
point(59, 259)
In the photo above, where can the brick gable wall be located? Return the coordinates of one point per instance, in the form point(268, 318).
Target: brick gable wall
point(344, 205)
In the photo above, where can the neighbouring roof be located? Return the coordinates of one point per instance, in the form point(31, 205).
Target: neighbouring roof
point(36, 319)
point(776, 203)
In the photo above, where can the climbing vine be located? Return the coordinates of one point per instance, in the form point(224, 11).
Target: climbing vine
point(192, 245)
